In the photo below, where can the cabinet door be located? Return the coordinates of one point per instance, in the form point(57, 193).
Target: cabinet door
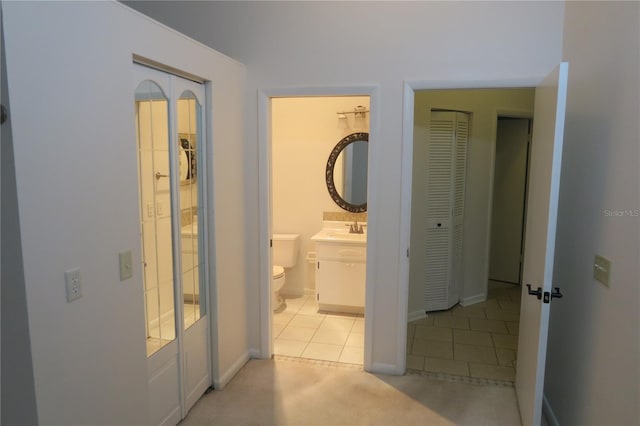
point(341, 283)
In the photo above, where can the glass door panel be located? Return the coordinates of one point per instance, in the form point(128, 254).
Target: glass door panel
point(189, 139)
point(152, 125)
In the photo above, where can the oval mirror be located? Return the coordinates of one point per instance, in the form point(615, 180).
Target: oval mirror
point(346, 172)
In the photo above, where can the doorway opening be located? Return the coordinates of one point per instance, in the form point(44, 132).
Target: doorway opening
point(318, 157)
point(473, 331)
point(506, 253)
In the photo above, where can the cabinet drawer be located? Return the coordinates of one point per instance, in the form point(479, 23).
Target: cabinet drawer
point(350, 252)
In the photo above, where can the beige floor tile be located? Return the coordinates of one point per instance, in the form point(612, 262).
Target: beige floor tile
point(493, 326)
point(288, 347)
point(303, 334)
point(277, 329)
point(411, 331)
point(283, 317)
point(322, 351)
point(472, 311)
point(434, 333)
point(470, 337)
point(423, 321)
point(502, 315)
point(433, 348)
point(513, 327)
point(352, 355)
point(509, 305)
point(312, 321)
point(434, 314)
point(332, 337)
point(452, 322)
point(358, 325)
point(355, 340)
point(448, 366)
point(492, 371)
point(338, 324)
point(471, 353)
point(505, 356)
point(508, 341)
point(294, 305)
point(415, 362)
point(309, 308)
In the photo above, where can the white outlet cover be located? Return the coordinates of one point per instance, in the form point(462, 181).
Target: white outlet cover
point(73, 284)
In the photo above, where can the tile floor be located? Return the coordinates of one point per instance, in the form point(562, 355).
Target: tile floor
point(301, 331)
point(479, 341)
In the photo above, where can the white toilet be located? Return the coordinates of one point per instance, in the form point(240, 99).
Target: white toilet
point(285, 255)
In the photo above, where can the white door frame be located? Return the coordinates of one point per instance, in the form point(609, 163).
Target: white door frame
point(410, 87)
point(264, 204)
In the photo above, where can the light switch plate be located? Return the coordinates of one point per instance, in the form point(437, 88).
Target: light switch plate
point(602, 269)
point(126, 265)
point(73, 284)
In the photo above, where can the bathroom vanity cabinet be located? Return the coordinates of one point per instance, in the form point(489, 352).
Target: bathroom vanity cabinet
point(340, 276)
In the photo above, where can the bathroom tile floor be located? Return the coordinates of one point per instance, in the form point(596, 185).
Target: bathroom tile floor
point(479, 340)
point(301, 331)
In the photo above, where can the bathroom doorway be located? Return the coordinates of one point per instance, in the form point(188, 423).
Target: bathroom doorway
point(306, 133)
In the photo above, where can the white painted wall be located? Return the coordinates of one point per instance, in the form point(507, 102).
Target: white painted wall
point(315, 44)
point(484, 105)
point(593, 357)
point(70, 79)
point(304, 132)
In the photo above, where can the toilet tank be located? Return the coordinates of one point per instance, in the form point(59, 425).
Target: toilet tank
point(285, 249)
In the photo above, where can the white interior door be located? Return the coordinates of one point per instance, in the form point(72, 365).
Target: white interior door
point(542, 209)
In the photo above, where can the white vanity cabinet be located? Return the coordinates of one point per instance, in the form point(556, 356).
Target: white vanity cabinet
point(340, 276)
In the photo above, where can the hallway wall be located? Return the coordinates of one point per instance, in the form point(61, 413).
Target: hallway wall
point(70, 81)
point(382, 44)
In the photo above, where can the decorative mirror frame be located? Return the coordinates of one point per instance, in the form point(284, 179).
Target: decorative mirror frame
point(331, 162)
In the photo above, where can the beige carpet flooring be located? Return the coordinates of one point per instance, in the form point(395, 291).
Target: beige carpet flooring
point(299, 392)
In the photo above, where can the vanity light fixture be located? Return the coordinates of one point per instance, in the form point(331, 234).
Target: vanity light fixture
point(343, 122)
point(360, 118)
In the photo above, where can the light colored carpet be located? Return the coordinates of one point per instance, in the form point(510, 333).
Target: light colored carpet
point(285, 392)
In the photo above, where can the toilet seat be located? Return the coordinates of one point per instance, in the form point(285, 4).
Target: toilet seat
point(278, 271)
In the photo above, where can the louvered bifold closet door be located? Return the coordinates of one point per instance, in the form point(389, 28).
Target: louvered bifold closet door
point(446, 173)
point(439, 183)
point(460, 170)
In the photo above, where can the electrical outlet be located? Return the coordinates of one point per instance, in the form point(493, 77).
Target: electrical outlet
point(602, 269)
point(73, 284)
point(126, 265)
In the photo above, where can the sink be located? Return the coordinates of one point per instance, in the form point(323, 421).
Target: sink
point(339, 236)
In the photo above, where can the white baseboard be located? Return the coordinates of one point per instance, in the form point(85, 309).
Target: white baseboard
point(226, 377)
point(548, 413)
point(473, 299)
point(309, 291)
point(416, 315)
point(256, 354)
point(392, 369)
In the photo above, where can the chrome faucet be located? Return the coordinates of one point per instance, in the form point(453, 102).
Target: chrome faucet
point(354, 228)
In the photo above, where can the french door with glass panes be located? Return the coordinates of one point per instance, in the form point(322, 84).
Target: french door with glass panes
point(171, 178)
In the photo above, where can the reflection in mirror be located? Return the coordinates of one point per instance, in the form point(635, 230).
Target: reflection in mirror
point(189, 119)
point(353, 161)
point(152, 135)
point(346, 173)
